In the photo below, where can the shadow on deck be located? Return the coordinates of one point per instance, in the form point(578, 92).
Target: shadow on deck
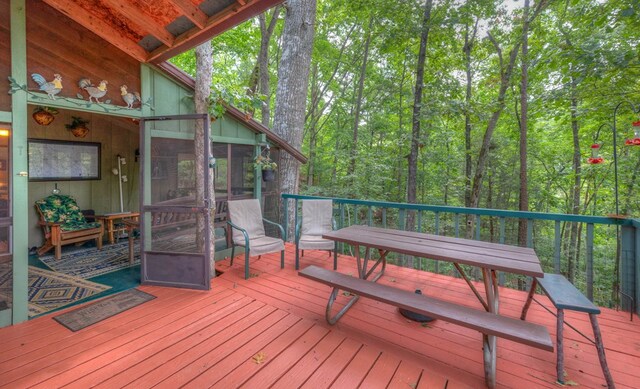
point(270, 331)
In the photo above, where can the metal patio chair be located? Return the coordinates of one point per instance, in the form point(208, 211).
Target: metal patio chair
point(317, 218)
point(247, 225)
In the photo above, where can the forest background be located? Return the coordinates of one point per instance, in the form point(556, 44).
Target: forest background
point(513, 96)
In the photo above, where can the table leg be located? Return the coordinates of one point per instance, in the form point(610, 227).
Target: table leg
point(359, 262)
point(110, 231)
point(490, 341)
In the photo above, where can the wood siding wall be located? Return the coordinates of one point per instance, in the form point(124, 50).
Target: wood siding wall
point(5, 56)
point(57, 44)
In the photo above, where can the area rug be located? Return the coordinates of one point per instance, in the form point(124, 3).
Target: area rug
point(103, 309)
point(49, 290)
point(91, 262)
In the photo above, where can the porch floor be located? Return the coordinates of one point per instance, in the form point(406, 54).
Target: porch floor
point(270, 331)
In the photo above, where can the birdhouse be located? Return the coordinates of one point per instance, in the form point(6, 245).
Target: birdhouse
point(595, 155)
point(635, 141)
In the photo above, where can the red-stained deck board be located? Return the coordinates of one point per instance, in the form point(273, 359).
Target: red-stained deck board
point(333, 365)
point(35, 338)
point(152, 370)
point(31, 364)
point(407, 375)
point(298, 373)
point(235, 352)
point(358, 368)
point(99, 369)
point(382, 371)
point(244, 364)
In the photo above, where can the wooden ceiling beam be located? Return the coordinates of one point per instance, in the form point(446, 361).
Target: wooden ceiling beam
point(190, 38)
point(146, 22)
point(191, 12)
point(100, 27)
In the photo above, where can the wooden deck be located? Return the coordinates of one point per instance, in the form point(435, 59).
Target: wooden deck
point(269, 331)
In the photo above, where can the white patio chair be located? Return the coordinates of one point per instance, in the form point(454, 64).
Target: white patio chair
point(317, 218)
point(247, 225)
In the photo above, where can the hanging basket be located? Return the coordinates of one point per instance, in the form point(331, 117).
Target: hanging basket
point(79, 132)
point(268, 175)
point(44, 115)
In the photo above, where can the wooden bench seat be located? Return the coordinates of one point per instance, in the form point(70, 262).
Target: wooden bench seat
point(564, 295)
point(485, 322)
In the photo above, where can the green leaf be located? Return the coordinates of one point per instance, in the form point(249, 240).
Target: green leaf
point(78, 95)
point(107, 102)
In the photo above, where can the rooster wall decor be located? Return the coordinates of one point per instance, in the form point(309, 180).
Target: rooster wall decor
point(51, 88)
point(94, 92)
point(129, 97)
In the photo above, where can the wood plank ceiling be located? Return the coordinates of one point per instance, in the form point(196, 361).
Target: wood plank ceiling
point(156, 30)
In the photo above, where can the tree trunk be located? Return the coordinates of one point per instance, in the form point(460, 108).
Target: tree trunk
point(358, 103)
point(263, 61)
point(412, 175)
point(469, 41)
point(523, 203)
point(204, 72)
point(291, 93)
point(577, 177)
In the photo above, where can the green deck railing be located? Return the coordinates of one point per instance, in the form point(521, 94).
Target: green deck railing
point(597, 239)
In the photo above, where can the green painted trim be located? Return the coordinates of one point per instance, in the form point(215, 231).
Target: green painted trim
point(171, 134)
point(36, 98)
point(232, 140)
point(20, 187)
point(5, 318)
point(477, 211)
point(5, 116)
point(146, 87)
point(257, 175)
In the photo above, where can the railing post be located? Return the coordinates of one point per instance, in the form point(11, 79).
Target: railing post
point(285, 211)
point(589, 260)
point(556, 248)
point(630, 266)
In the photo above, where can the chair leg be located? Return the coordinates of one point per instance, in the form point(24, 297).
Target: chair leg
point(600, 347)
point(233, 249)
point(282, 259)
point(58, 251)
point(297, 257)
point(560, 346)
point(246, 263)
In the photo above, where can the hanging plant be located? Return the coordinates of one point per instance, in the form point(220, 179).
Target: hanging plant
point(267, 166)
point(44, 115)
point(78, 127)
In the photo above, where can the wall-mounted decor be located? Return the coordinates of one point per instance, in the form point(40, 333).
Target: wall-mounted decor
point(78, 127)
point(51, 88)
point(54, 160)
point(44, 115)
point(94, 92)
point(129, 97)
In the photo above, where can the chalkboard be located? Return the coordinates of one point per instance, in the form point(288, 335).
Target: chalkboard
point(54, 160)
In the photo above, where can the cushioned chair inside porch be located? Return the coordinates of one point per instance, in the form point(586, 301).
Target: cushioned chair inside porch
point(247, 224)
point(63, 223)
point(317, 218)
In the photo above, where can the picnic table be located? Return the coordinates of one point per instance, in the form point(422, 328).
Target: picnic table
point(489, 257)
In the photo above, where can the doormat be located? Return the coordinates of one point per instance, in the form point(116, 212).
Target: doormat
point(103, 309)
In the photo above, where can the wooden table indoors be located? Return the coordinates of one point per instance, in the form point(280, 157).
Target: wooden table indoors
point(108, 220)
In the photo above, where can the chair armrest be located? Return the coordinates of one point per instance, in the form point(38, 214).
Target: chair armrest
point(282, 235)
point(244, 232)
point(48, 224)
point(298, 230)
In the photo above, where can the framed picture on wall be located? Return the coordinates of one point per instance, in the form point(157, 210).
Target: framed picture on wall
point(55, 160)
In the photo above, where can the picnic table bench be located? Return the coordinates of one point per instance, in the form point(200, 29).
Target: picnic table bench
point(564, 295)
point(489, 257)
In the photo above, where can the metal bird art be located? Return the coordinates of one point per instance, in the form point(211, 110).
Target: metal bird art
point(51, 88)
point(128, 97)
point(95, 92)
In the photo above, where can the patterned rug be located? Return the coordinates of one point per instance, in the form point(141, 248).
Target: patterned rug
point(91, 262)
point(49, 290)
